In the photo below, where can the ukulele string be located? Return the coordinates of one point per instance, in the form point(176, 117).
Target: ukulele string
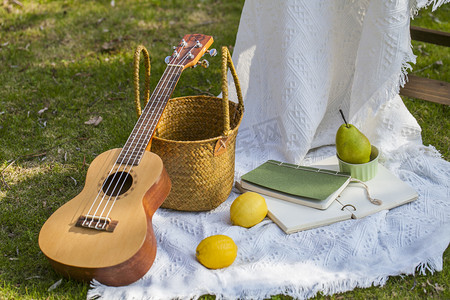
point(118, 166)
point(146, 137)
point(157, 111)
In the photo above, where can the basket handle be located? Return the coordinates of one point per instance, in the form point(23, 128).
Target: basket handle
point(137, 102)
point(227, 62)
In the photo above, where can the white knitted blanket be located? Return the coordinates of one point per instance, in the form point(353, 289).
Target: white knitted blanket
point(299, 62)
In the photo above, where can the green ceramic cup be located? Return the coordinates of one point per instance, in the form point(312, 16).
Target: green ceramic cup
point(362, 172)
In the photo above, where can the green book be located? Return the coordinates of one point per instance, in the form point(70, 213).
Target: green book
point(308, 186)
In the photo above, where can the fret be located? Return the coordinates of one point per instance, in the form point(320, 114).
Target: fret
point(144, 129)
point(139, 142)
point(134, 144)
point(139, 133)
point(133, 157)
point(131, 160)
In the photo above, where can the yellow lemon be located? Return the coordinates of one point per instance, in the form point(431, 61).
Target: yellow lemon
point(216, 251)
point(248, 209)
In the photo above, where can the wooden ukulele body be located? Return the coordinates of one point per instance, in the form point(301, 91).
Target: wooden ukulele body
point(123, 254)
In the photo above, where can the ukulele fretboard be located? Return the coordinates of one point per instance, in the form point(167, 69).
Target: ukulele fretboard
point(144, 129)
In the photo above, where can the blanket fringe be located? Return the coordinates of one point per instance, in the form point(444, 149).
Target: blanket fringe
point(326, 288)
point(429, 266)
point(418, 6)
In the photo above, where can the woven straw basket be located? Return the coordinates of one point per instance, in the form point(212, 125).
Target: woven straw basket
point(196, 138)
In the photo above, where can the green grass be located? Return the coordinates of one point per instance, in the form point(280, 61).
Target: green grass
point(63, 62)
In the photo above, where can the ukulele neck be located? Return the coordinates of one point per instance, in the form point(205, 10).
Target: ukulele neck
point(144, 129)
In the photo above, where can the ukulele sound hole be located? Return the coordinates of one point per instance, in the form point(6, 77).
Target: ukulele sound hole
point(117, 184)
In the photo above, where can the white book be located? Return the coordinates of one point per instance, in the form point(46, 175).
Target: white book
point(291, 217)
point(352, 203)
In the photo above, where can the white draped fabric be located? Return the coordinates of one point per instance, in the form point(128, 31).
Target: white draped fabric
point(299, 62)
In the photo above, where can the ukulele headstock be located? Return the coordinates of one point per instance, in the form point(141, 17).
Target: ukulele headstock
point(189, 51)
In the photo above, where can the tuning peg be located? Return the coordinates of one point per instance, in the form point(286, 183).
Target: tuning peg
point(212, 52)
point(167, 59)
point(198, 44)
point(204, 63)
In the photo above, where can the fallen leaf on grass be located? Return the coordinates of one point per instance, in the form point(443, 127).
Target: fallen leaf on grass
point(94, 120)
point(25, 48)
point(109, 46)
point(112, 45)
point(17, 3)
point(55, 285)
point(83, 74)
point(439, 288)
point(40, 112)
point(74, 180)
point(436, 286)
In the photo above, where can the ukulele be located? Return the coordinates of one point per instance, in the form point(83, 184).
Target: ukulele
point(106, 232)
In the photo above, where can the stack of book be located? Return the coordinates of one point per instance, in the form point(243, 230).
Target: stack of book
point(301, 198)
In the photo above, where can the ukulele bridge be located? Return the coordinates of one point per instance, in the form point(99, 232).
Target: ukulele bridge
point(98, 223)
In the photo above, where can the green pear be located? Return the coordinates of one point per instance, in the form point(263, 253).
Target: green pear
point(352, 145)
